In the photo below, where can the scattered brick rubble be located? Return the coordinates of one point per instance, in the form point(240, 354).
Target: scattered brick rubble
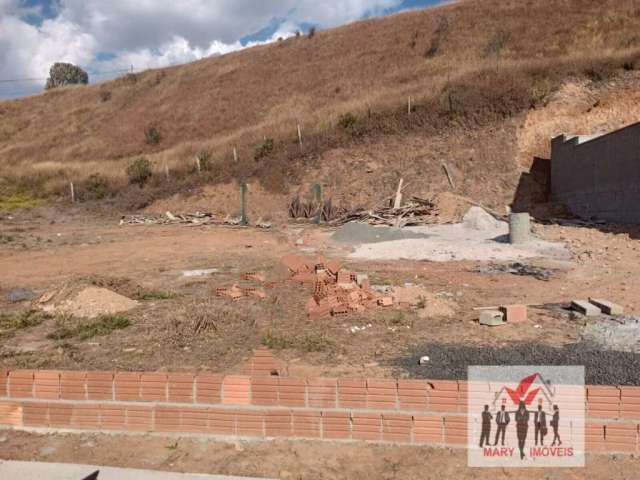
point(236, 292)
point(337, 291)
point(263, 363)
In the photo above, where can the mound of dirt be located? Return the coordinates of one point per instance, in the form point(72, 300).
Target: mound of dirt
point(429, 305)
point(90, 302)
point(451, 207)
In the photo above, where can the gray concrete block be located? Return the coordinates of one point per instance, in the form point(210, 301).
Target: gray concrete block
point(585, 308)
point(492, 318)
point(607, 307)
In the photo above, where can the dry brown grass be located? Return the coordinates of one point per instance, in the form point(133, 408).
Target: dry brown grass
point(468, 81)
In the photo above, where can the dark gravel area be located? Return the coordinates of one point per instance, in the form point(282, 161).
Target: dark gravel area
point(450, 362)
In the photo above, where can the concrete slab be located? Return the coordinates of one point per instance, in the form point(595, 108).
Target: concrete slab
point(61, 471)
point(607, 307)
point(492, 318)
point(585, 308)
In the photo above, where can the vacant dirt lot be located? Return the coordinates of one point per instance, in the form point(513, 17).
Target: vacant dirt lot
point(146, 263)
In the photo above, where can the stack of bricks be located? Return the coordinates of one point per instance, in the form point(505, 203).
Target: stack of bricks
point(420, 412)
point(337, 291)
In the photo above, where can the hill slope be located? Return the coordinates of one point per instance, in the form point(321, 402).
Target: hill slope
point(481, 75)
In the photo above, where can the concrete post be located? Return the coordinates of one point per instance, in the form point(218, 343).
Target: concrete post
point(519, 228)
point(244, 220)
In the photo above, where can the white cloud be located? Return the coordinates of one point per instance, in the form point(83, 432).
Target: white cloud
point(153, 33)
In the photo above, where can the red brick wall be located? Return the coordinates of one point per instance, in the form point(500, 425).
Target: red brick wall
point(378, 410)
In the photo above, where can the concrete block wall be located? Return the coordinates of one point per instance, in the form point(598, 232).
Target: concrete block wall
point(598, 176)
point(419, 412)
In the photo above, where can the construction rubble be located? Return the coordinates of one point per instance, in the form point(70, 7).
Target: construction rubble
point(236, 292)
point(337, 291)
point(188, 219)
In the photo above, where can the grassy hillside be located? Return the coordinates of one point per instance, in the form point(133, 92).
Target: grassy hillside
point(474, 69)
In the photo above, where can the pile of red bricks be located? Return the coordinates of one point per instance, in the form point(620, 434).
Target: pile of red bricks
point(337, 291)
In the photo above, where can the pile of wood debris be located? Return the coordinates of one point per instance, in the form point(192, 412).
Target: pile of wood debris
point(336, 291)
point(189, 219)
point(416, 212)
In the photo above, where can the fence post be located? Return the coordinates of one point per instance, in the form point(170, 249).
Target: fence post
point(300, 136)
point(317, 193)
point(73, 192)
point(235, 154)
point(243, 219)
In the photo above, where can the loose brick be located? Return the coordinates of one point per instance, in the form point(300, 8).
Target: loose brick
point(366, 426)
point(336, 425)
point(100, 385)
point(428, 429)
point(397, 428)
point(85, 416)
point(278, 423)
point(307, 424)
point(11, 414)
point(222, 421)
point(153, 387)
point(181, 387)
point(208, 388)
point(35, 414)
point(194, 420)
point(127, 386)
point(382, 394)
point(168, 419)
point(139, 418)
point(60, 415)
point(73, 385)
point(236, 390)
point(515, 313)
point(321, 392)
point(47, 384)
point(413, 394)
point(112, 417)
point(21, 384)
point(352, 393)
point(292, 392)
point(249, 424)
point(264, 390)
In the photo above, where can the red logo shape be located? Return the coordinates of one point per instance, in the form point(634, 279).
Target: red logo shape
point(520, 394)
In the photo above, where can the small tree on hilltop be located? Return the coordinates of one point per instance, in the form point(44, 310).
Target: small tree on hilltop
point(61, 74)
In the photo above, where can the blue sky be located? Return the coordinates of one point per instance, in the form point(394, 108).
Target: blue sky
point(104, 36)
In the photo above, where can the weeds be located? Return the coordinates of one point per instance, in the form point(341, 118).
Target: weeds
point(204, 158)
point(347, 121)
point(97, 186)
point(101, 326)
point(310, 342)
point(105, 95)
point(18, 201)
point(139, 171)
point(9, 323)
point(152, 135)
point(264, 149)
point(149, 296)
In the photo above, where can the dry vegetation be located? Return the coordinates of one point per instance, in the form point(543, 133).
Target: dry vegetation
point(471, 68)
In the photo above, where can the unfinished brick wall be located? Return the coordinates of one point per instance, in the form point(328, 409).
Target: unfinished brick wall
point(421, 412)
point(598, 176)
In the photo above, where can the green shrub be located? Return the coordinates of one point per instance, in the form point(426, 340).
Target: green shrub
point(105, 95)
point(315, 342)
point(312, 32)
point(152, 135)
point(139, 171)
point(97, 186)
point(61, 74)
point(276, 341)
point(347, 121)
point(264, 149)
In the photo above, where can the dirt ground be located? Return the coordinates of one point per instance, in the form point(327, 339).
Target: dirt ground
point(43, 255)
point(283, 459)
